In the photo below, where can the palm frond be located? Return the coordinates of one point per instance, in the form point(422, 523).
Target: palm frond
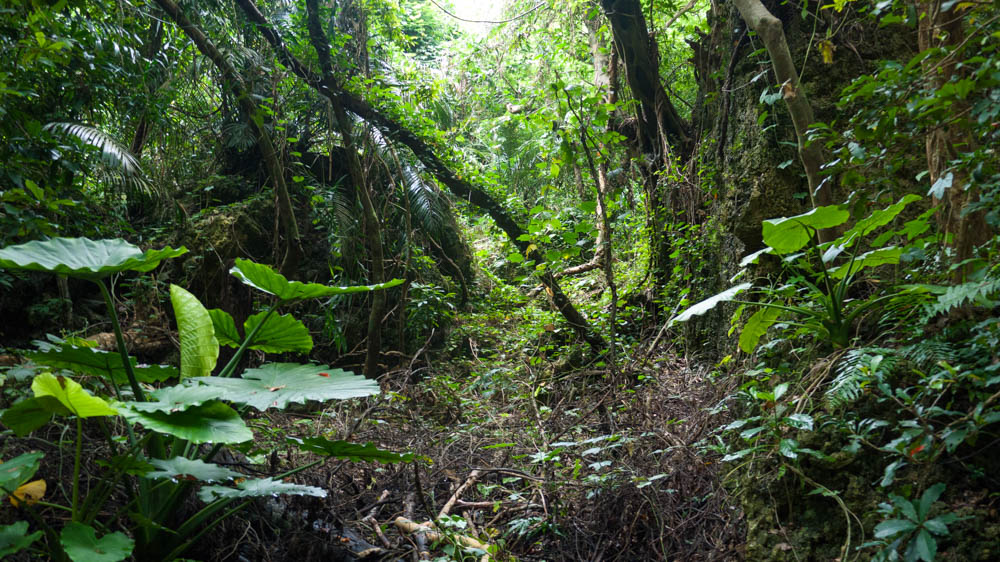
point(119, 168)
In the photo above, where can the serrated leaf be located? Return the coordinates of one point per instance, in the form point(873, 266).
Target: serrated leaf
point(28, 415)
point(264, 278)
point(71, 395)
point(711, 302)
point(199, 348)
point(82, 258)
point(17, 471)
point(182, 468)
point(225, 328)
point(791, 234)
point(258, 488)
point(15, 537)
point(212, 422)
point(350, 451)
point(99, 363)
point(892, 527)
point(757, 326)
point(279, 334)
point(274, 385)
point(930, 496)
point(82, 545)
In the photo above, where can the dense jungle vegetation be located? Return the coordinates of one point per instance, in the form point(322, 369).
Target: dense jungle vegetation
point(575, 280)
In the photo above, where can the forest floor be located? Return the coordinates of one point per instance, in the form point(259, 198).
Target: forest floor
point(535, 458)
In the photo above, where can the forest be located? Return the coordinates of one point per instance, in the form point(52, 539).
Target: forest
point(530, 280)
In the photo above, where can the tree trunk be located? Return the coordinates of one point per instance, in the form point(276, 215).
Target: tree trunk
point(286, 212)
point(770, 30)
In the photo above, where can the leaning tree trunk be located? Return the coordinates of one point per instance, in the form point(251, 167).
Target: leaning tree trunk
point(458, 185)
point(371, 223)
point(286, 213)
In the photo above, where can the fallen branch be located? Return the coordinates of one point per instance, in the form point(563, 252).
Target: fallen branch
point(427, 529)
point(473, 476)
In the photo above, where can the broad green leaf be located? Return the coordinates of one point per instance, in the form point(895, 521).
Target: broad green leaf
point(182, 468)
point(878, 218)
point(82, 258)
point(780, 391)
point(279, 334)
point(17, 471)
point(752, 258)
point(199, 348)
point(936, 526)
point(274, 385)
point(350, 451)
point(515, 257)
point(874, 258)
point(15, 537)
point(789, 448)
point(264, 278)
point(892, 527)
point(930, 496)
point(225, 328)
point(99, 363)
point(176, 398)
point(28, 415)
point(71, 395)
point(212, 422)
point(710, 303)
point(82, 545)
point(800, 421)
point(757, 326)
point(258, 488)
point(791, 234)
point(925, 545)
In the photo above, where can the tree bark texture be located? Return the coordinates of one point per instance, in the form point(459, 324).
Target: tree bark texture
point(286, 212)
point(459, 186)
point(771, 31)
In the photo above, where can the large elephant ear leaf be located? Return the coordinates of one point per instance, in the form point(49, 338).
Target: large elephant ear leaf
point(710, 303)
point(264, 278)
point(261, 487)
point(279, 334)
point(98, 363)
point(212, 422)
point(190, 469)
point(275, 385)
point(15, 537)
point(199, 347)
point(82, 545)
point(791, 234)
point(348, 451)
point(83, 258)
point(71, 395)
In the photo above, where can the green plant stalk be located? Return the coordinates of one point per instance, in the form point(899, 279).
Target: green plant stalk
point(120, 340)
point(230, 367)
point(76, 469)
point(187, 544)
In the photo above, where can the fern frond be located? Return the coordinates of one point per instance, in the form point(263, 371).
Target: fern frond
point(979, 293)
point(859, 368)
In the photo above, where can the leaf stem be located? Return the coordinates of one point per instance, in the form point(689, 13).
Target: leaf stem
point(120, 340)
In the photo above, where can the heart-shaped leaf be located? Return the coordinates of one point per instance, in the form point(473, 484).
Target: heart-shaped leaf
point(225, 328)
point(279, 334)
point(264, 278)
point(199, 348)
point(82, 258)
point(350, 451)
point(17, 471)
point(71, 395)
point(258, 488)
point(98, 363)
point(82, 545)
point(274, 385)
point(28, 415)
point(15, 537)
point(182, 468)
point(791, 234)
point(212, 422)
